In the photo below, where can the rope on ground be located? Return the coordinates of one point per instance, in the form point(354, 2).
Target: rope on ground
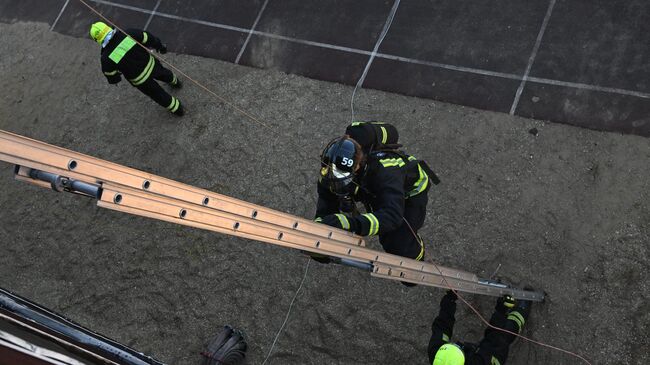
point(382, 35)
point(487, 323)
point(286, 318)
point(255, 119)
point(222, 99)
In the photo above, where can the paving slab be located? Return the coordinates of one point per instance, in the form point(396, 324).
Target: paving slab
point(491, 35)
point(44, 11)
point(601, 43)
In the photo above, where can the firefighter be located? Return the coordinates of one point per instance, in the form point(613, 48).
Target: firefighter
point(121, 55)
point(393, 187)
point(493, 349)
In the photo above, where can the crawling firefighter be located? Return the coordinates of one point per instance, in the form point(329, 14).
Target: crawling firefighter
point(366, 166)
point(509, 314)
point(121, 55)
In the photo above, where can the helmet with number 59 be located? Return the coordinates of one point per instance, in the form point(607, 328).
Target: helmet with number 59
point(340, 160)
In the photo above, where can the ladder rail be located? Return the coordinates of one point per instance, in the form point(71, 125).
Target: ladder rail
point(135, 192)
point(93, 170)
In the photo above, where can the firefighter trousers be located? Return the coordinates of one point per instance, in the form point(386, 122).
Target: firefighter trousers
point(151, 88)
point(499, 341)
point(404, 241)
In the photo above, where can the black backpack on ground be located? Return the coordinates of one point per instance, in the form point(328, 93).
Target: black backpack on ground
point(228, 347)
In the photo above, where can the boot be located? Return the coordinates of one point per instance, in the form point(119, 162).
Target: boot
point(176, 83)
point(180, 111)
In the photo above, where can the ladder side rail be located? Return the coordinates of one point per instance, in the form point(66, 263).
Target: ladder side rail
point(90, 166)
point(234, 225)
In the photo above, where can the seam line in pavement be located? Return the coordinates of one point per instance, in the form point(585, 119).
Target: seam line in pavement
point(60, 13)
point(532, 57)
point(243, 47)
point(153, 13)
point(470, 70)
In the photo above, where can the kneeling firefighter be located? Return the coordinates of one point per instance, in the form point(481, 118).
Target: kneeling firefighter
point(365, 165)
point(509, 314)
point(122, 56)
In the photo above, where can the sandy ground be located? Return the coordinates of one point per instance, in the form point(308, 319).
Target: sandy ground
point(566, 211)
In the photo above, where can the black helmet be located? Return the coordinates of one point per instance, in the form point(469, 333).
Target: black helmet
point(339, 161)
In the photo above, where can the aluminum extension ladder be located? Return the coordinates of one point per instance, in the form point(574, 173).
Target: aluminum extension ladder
point(132, 191)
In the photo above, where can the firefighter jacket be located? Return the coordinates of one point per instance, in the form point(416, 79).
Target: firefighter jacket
point(121, 55)
point(390, 177)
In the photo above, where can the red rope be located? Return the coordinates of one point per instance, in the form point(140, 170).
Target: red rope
point(253, 118)
point(487, 323)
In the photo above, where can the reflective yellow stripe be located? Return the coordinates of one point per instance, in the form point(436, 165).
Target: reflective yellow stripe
point(421, 254)
point(518, 318)
point(173, 102)
point(374, 224)
point(495, 361)
point(174, 105)
point(121, 49)
point(384, 135)
point(344, 221)
point(146, 73)
point(144, 37)
point(111, 73)
point(445, 337)
point(390, 162)
point(318, 219)
point(421, 184)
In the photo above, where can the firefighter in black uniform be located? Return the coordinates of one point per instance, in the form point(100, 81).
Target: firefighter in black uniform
point(121, 55)
point(509, 314)
point(364, 166)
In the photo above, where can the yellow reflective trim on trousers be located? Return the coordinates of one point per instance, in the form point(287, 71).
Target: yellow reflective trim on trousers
point(384, 134)
point(121, 49)
point(344, 221)
point(516, 320)
point(517, 317)
point(174, 105)
point(374, 224)
point(421, 184)
point(111, 73)
point(445, 337)
point(146, 73)
point(390, 162)
point(144, 37)
point(495, 361)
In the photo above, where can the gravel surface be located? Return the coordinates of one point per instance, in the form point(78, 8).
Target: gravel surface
point(563, 209)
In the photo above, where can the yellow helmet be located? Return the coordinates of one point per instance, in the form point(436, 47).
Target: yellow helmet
point(449, 354)
point(98, 31)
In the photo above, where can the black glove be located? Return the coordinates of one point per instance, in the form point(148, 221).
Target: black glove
point(347, 205)
point(342, 221)
point(114, 79)
point(162, 49)
point(506, 302)
point(448, 302)
point(451, 295)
